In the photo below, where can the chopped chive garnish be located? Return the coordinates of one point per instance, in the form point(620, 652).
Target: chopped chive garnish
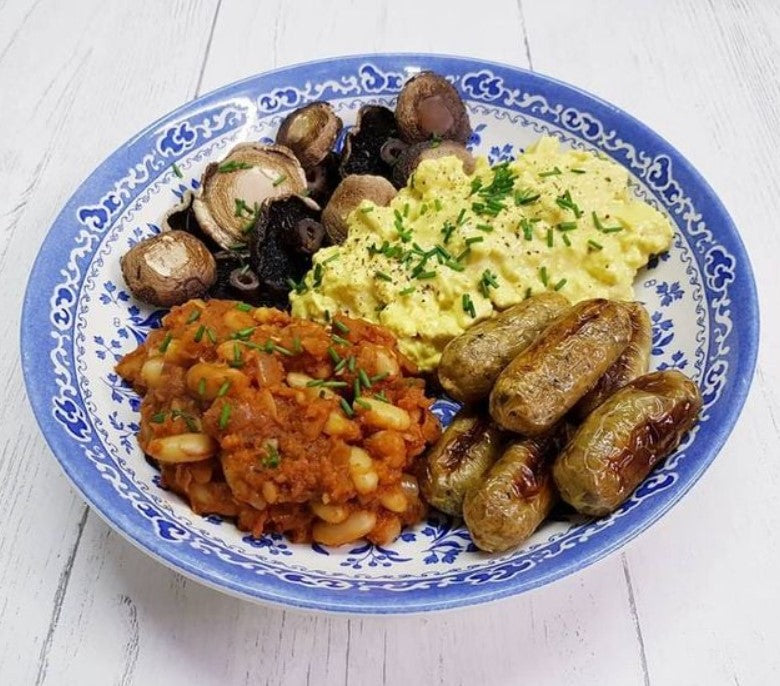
point(487, 281)
point(241, 208)
point(528, 229)
point(484, 227)
point(341, 364)
point(199, 333)
point(243, 307)
point(381, 396)
point(383, 276)
point(224, 388)
point(362, 403)
point(406, 291)
point(526, 196)
point(279, 180)
point(347, 409)
point(202, 386)
point(528, 293)
point(553, 172)
point(351, 362)
point(327, 315)
point(211, 335)
point(297, 286)
point(297, 347)
point(577, 171)
point(272, 457)
point(341, 326)
point(232, 166)
point(474, 239)
point(238, 360)
point(549, 238)
point(317, 279)
point(176, 170)
point(334, 355)
point(224, 415)
point(283, 350)
point(437, 204)
point(543, 276)
point(316, 383)
point(426, 275)
point(559, 285)
point(166, 342)
point(604, 229)
point(461, 217)
point(244, 334)
point(334, 256)
point(367, 209)
point(338, 339)
point(566, 239)
point(447, 231)
point(468, 305)
point(567, 226)
point(454, 265)
point(364, 380)
point(596, 246)
point(565, 202)
point(356, 388)
point(159, 417)
point(379, 377)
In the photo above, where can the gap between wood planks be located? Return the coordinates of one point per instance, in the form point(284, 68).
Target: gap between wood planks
point(64, 582)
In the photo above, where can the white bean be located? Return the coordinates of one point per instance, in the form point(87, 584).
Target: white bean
point(383, 415)
point(356, 526)
point(188, 447)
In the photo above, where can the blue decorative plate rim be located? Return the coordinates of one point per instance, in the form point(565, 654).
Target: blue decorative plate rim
point(37, 335)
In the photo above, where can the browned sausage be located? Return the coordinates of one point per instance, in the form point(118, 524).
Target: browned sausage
point(546, 380)
point(469, 445)
point(515, 496)
point(623, 439)
point(633, 362)
point(472, 361)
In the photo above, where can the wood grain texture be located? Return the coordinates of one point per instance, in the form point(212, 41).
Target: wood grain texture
point(692, 601)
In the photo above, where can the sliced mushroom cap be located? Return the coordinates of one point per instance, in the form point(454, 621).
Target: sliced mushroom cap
point(322, 180)
point(348, 195)
point(410, 158)
point(429, 106)
point(169, 269)
point(235, 279)
point(363, 147)
point(232, 191)
point(278, 249)
point(310, 132)
point(181, 217)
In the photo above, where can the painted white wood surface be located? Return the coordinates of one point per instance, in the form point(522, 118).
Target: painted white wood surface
point(694, 600)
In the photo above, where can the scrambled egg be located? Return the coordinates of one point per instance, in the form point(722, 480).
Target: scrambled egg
point(453, 248)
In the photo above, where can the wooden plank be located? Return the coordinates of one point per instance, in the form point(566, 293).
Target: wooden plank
point(76, 79)
point(705, 590)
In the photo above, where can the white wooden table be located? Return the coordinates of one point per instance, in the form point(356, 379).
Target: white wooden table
point(695, 600)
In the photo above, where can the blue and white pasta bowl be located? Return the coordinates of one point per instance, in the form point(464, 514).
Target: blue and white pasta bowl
point(79, 319)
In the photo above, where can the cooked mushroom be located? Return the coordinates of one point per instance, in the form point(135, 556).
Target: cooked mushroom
point(348, 195)
point(322, 180)
point(429, 150)
point(232, 191)
point(281, 245)
point(429, 106)
point(235, 279)
point(363, 146)
point(181, 217)
point(169, 269)
point(310, 132)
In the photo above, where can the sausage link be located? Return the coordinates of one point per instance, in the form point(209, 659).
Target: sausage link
point(470, 444)
point(546, 380)
point(515, 496)
point(632, 363)
point(623, 439)
point(471, 362)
